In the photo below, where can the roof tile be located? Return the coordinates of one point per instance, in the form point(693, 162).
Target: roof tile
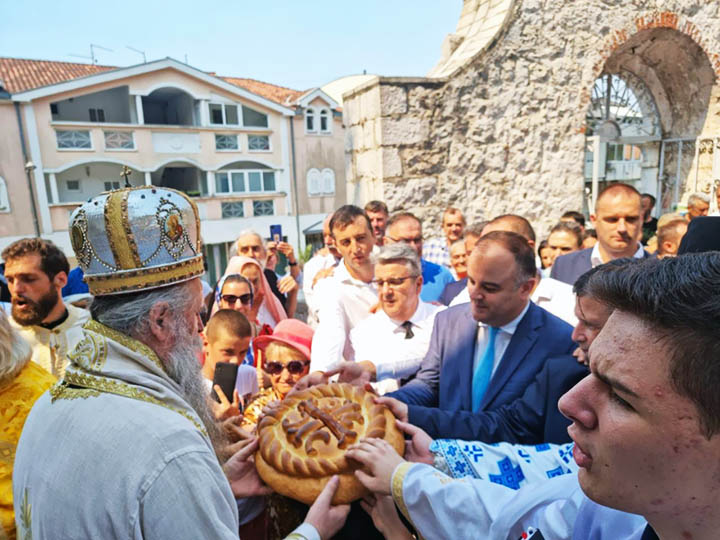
point(19, 75)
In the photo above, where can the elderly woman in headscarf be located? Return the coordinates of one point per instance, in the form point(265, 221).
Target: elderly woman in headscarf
point(264, 306)
point(21, 383)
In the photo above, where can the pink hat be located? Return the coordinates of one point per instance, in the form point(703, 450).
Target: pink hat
point(291, 332)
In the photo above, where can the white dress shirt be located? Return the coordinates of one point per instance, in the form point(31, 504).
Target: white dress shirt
point(551, 294)
point(502, 340)
point(310, 270)
point(381, 340)
point(557, 297)
point(343, 302)
point(596, 258)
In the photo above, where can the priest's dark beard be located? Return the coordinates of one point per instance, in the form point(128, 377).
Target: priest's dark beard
point(181, 364)
point(36, 311)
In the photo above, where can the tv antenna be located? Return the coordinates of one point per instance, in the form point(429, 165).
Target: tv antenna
point(92, 57)
point(139, 52)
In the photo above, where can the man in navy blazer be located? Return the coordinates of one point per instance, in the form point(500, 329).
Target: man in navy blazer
point(618, 220)
point(534, 418)
point(501, 277)
point(452, 290)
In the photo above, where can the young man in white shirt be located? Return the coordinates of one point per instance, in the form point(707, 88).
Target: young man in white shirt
point(646, 427)
point(391, 343)
point(326, 258)
point(347, 297)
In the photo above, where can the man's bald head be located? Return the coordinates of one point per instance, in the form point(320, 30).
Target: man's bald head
point(512, 223)
point(618, 190)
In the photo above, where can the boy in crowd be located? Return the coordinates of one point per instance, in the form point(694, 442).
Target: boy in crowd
point(227, 339)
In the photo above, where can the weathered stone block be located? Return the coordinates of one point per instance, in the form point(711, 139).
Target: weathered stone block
point(391, 163)
point(356, 139)
point(368, 133)
point(412, 192)
point(404, 130)
point(393, 100)
point(370, 103)
point(369, 163)
point(351, 111)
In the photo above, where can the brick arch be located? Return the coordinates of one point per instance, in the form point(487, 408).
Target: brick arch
point(659, 19)
point(641, 23)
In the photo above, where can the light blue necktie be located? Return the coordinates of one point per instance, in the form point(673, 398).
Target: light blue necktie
point(483, 371)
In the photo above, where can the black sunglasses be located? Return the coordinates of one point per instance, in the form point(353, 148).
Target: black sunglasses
point(295, 367)
point(231, 298)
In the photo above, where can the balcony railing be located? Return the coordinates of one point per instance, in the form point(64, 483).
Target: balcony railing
point(74, 139)
point(119, 140)
point(76, 136)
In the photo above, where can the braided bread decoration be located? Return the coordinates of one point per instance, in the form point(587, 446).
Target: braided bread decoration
point(303, 441)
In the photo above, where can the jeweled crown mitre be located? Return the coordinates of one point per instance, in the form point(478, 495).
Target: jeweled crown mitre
point(136, 239)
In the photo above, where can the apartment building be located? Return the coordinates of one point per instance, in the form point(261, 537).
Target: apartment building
point(250, 153)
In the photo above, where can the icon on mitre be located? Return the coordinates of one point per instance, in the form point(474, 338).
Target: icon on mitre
point(174, 227)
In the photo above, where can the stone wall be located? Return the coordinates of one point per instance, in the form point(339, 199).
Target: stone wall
point(506, 132)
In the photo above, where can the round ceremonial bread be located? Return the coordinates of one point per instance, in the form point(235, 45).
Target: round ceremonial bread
point(303, 440)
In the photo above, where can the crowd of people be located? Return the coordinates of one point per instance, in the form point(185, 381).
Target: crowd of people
point(552, 386)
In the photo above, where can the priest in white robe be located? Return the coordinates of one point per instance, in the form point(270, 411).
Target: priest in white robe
point(124, 446)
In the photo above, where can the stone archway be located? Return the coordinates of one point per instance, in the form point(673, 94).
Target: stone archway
point(666, 57)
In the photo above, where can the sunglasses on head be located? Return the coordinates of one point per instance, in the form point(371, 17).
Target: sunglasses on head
point(231, 298)
point(295, 367)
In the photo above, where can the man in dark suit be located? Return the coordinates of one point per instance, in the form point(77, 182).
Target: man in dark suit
point(478, 367)
point(534, 418)
point(618, 222)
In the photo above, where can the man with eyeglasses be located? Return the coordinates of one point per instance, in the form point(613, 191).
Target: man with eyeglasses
point(407, 228)
point(391, 343)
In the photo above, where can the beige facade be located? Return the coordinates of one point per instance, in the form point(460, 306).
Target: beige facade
point(515, 116)
point(315, 152)
point(170, 125)
point(16, 213)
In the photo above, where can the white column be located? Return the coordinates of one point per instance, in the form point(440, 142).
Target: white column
point(53, 189)
point(210, 178)
point(139, 109)
point(204, 113)
point(596, 172)
point(282, 177)
point(148, 179)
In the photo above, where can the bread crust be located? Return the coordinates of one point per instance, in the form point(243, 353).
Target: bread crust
point(325, 420)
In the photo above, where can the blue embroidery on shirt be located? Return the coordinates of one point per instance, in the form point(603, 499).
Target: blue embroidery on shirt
point(542, 447)
point(566, 453)
point(523, 454)
point(509, 476)
point(557, 471)
point(474, 451)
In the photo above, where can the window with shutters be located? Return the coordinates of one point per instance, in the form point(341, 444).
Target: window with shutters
point(320, 182)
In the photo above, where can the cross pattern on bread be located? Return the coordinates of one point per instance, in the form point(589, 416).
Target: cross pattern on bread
point(304, 438)
point(338, 419)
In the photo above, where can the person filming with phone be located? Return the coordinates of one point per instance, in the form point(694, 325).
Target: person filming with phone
point(250, 244)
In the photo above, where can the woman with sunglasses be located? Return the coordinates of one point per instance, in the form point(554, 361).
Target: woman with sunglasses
point(235, 292)
point(285, 359)
point(232, 293)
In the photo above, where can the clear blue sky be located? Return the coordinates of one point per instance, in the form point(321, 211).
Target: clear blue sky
point(295, 43)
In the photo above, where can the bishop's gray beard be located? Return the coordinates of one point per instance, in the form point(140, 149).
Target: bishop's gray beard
point(181, 364)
